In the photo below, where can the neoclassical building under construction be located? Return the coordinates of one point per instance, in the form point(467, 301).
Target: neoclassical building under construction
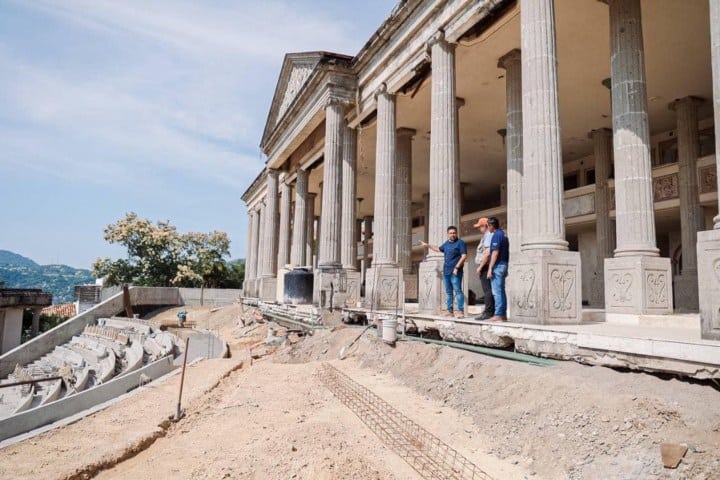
point(585, 126)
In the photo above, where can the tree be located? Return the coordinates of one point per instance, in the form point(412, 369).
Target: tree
point(158, 255)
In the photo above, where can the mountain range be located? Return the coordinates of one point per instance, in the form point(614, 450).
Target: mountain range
point(17, 271)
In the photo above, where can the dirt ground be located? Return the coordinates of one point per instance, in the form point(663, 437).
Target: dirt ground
point(275, 418)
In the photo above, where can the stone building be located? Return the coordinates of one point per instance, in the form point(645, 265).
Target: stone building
point(586, 126)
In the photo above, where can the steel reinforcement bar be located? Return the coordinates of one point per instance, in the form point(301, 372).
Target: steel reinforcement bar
point(423, 451)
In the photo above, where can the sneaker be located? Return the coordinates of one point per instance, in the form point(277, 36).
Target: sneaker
point(447, 314)
point(460, 314)
point(497, 319)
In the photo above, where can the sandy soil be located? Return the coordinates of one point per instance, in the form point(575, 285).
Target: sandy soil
point(275, 419)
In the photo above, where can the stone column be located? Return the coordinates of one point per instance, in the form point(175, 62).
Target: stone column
point(257, 252)
point(403, 210)
point(692, 218)
point(367, 236)
point(545, 284)
point(637, 280)
point(444, 161)
point(604, 227)
point(269, 248)
point(426, 210)
point(310, 236)
point(348, 237)
point(513, 147)
point(252, 254)
point(300, 229)
point(329, 251)
point(35, 322)
point(385, 276)
point(709, 242)
point(283, 256)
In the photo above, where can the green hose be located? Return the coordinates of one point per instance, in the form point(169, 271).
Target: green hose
point(520, 357)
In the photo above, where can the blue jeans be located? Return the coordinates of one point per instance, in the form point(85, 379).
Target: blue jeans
point(453, 284)
point(498, 288)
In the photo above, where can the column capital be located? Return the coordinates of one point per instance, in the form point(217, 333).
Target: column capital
point(502, 132)
point(512, 57)
point(604, 132)
point(382, 90)
point(273, 174)
point(438, 38)
point(336, 100)
point(405, 132)
point(689, 100)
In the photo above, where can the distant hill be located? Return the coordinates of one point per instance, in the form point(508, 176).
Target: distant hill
point(21, 272)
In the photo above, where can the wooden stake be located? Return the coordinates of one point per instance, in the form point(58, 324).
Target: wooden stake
point(179, 413)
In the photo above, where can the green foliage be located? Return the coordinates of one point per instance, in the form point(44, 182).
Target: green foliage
point(160, 256)
point(47, 322)
point(17, 271)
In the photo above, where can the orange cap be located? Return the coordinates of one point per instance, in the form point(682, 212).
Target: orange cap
point(482, 222)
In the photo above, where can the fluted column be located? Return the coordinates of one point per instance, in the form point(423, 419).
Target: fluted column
point(691, 215)
point(403, 199)
point(511, 62)
point(444, 150)
point(329, 251)
point(426, 213)
point(299, 234)
point(604, 228)
point(348, 243)
point(631, 135)
point(709, 241)
point(270, 230)
point(310, 223)
point(283, 257)
point(252, 253)
point(637, 280)
point(385, 169)
point(543, 220)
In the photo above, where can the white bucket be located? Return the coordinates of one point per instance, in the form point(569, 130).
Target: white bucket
point(389, 328)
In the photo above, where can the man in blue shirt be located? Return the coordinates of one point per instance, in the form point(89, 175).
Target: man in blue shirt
point(455, 253)
point(499, 258)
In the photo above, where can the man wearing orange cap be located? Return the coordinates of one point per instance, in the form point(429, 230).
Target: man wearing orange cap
point(482, 260)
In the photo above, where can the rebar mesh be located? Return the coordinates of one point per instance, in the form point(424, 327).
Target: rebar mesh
point(423, 451)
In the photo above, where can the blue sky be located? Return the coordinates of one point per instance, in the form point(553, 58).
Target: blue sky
point(155, 107)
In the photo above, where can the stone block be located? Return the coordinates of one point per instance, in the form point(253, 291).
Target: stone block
point(354, 281)
point(330, 289)
point(708, 252)
point(545, 287)
point(267, 289)
point(638, 285)
point(280, 293)
point(411, 287)
point(430, 287)
point(685, 292)
point(382, 288)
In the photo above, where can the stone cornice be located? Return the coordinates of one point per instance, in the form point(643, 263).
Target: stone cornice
point(513, 56)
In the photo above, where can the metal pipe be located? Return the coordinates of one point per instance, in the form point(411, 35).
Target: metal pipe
point(520, 357)
point(26, 382)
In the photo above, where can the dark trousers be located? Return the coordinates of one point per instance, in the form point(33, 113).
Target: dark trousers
point(487, 292)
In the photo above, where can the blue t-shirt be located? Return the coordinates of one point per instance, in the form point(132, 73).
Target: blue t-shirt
point(453, 251)
point(501, 244)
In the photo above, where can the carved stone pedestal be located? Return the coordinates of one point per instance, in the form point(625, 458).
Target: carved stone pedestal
point(685, 294)
point(638, 286)
point(330, 289)
point(382, 288)
point(431, 293)
point(544, 287)
point(352, 295)
point(411, 287)
point(268, 289)
point(708, 251)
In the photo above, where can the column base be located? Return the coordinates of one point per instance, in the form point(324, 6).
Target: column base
point(354, 281)
point(545, 287)
point(280, 294)
point(685, 292)
point(382, 288)
point(330, 288)
point(638, 285)
point(430, 287)
point(708, 252)
point(410, 282)
point(267, 289)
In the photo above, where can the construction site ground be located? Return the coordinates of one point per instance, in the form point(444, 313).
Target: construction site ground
point(271, 416)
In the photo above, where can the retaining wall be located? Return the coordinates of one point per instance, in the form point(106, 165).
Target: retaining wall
point(210, 296)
